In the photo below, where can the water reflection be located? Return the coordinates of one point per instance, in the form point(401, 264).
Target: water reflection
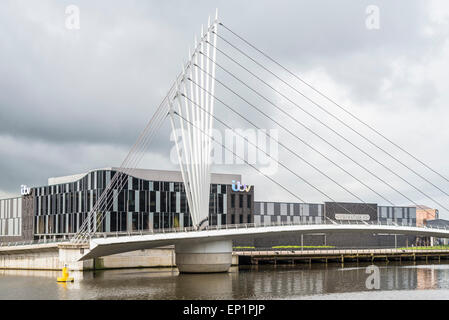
point(262, 282)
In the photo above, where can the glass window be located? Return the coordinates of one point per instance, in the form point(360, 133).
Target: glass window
point(240, 200)
point(131, 200)
point(123, 221)
point(152, 201)
point(164, 204)
point(167, 218)
point(135, 222)
point(220, 203)
point(172, 201)
point(183, 202)
point(156, 221)
point(121, 200)
point(145, 221)
point(114, 222)
point(136, 183)
point(187, 220)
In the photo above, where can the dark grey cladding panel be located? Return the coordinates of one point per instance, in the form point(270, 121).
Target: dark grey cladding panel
point(28, 203)
point(313, 210)
point(257, 208)
point(296, 211)
point(333, 208)
point(277, 209)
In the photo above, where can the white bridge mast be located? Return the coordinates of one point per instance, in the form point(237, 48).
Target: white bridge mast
point(192, 109)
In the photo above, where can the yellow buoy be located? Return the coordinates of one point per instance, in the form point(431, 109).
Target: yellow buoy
point(65, 276)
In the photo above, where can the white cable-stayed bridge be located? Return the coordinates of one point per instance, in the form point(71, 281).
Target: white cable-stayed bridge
point(190, 106)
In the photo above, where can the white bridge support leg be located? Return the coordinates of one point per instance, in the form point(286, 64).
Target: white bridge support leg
point(204, 257)
point(191, 112)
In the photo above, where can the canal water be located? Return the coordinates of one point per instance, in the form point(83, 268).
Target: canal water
point(318, 281)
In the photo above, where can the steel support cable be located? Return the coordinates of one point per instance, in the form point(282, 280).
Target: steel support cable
point(243, 159)
point(311, 131)
point(129, 157)
point(124, 171)
point(127, 171)
point(124, 168)
point(322, 123)
point(294, 153)
point(277, 183)
point(291, 171)
point(85, 224)
point(335, 117)
point(122, 181)
point(123, 174)
point(120, 177)
point(302, 141)
point(339, 106)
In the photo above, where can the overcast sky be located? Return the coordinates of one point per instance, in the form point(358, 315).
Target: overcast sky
point(74, 100)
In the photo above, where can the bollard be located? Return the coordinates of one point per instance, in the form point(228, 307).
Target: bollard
point(65, 276)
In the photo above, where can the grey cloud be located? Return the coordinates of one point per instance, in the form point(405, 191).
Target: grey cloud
point(74, 100)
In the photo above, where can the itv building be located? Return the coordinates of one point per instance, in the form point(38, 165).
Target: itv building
point(155, 199)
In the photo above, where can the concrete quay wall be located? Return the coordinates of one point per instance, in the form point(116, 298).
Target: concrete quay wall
point(56, 256)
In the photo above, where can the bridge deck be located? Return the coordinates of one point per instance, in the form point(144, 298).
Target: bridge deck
point(112, 245)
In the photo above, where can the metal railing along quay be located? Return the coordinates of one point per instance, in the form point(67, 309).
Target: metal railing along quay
point(54, 238)
point(246, 226)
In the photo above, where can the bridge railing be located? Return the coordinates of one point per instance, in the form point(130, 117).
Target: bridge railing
point(250, 225)
point(214, 228)
point(32, 242)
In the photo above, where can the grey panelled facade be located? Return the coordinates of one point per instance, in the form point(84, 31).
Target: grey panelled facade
point(11, 217)
point(404, 216)
point(273, 212)
point(16, 219)
point(241, 207)
point(278, 212)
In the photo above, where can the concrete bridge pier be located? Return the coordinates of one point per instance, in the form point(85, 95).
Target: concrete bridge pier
point(204, 257)
point(69, 254)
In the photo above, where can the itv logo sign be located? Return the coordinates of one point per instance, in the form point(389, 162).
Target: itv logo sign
point(239, 187)
point(24, 190)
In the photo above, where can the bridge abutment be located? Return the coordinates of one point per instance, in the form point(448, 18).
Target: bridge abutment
point(69, 254)
point(204, 257)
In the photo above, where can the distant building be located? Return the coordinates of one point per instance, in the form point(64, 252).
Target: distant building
point(283, 212)
point(441, 224)
point(424, 214)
